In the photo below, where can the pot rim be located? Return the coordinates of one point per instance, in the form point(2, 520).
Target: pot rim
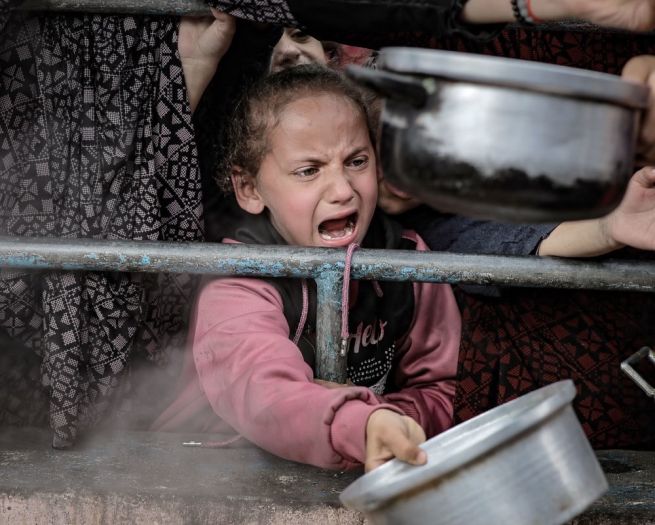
point(514, 73)
point(464, 443)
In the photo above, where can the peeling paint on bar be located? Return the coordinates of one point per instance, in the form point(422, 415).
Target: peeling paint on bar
point(326, 267)
point(330, 365)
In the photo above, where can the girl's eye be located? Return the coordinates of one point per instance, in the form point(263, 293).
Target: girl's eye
point(306, 172)
point(299, 36)
point(359, 162)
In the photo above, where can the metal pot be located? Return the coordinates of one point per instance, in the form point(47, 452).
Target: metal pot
point(524, 462)
point(504, 138)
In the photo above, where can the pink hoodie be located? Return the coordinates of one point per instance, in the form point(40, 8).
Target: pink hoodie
point(250, 375)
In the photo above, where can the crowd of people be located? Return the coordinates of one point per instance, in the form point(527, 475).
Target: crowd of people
point(241, 130)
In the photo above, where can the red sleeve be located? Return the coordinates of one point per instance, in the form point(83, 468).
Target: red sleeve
point(425, 375)
point(255, 378)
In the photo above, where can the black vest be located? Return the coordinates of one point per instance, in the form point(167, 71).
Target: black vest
point(375, 323)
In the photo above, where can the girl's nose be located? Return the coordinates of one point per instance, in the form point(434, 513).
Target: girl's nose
point(288, 52)
point(340, 189)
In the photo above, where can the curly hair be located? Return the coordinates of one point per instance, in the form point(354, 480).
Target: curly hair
point(258, 112)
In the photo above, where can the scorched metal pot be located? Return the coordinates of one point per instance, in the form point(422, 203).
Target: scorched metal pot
point(524, 462)
point(504, 138)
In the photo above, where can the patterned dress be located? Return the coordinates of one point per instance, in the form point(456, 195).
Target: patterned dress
point(96, 142)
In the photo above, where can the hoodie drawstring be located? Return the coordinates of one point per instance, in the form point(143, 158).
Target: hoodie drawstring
point(303, 315)
point(345, 299)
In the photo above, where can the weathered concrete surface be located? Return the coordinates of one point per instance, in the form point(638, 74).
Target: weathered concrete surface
point(631, 497)
point(140, 477)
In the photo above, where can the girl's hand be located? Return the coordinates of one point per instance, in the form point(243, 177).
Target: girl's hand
point(390, 435)
point(202, 42)
point(632, 223)
point(641, 69)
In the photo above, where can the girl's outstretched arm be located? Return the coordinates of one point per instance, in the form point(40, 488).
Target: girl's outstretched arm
point(632, 223)
point(256, 380)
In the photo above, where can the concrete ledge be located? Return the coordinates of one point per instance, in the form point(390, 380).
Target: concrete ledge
point(631, 497)
point(141, 477)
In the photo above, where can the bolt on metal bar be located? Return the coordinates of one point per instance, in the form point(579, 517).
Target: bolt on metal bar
point(324, 265)
point(141, 7)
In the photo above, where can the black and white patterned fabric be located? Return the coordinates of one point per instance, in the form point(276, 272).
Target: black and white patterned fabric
point(266, 11)
point(95, 142)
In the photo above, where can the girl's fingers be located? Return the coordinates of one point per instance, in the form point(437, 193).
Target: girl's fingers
point(645, 177)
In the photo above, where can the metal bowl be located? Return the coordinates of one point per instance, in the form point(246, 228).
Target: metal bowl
point(504, 138)
point(527, 461)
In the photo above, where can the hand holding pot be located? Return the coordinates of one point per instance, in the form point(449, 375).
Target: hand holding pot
point(390, 435)
point(632, 223)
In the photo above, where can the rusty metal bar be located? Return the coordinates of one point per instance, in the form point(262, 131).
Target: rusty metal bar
point(330, 364)
point(293, 261)
point(199, 8)
point(325, 266)
point(143, 7)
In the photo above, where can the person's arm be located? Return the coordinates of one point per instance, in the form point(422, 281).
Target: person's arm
point(374, 23)
point(202, 42)
point(632, 223)
point(427, 367)
point(255, 379)
point(458, 234)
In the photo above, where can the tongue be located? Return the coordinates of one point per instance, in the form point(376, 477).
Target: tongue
point(334, 225)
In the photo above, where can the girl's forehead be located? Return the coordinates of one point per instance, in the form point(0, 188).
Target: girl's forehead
point(320, 99)
point(318, 107)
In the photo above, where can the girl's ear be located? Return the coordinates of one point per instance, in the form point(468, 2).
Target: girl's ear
point(246, 192)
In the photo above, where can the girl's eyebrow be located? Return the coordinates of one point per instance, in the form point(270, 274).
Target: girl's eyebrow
point(320, 160)
point(358, 150)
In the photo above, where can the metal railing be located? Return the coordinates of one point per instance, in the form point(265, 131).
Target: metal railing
point(143, 7)
point(326, 267)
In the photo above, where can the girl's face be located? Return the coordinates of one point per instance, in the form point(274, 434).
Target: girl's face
point(319, 177)
point(296, 48)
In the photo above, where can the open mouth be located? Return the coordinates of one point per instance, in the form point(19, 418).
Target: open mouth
point(338, 228)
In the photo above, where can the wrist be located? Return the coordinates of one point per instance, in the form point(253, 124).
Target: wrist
point(197, 76)
point(552, 10)
point(609, 242)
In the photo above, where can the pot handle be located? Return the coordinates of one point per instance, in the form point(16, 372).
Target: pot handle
point(626, 367)
point(391, 85)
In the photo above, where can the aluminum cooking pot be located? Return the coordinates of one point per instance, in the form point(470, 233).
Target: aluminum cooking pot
point(524, 462)
point(504, 138)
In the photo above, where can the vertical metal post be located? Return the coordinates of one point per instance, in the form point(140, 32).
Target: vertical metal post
point(330, 365)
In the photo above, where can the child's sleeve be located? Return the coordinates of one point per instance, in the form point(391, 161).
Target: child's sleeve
point(427, 367)
point(255, 379)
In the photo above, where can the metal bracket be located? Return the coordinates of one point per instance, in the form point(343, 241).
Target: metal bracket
point(626, 367)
